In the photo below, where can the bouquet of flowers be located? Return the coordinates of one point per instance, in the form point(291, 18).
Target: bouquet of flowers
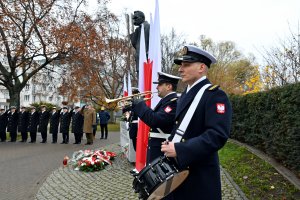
point(91, 160)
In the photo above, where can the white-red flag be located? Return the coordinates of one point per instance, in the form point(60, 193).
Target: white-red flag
point(125, 90)
point(143, 129)
point(129, 85)
point(155, 51)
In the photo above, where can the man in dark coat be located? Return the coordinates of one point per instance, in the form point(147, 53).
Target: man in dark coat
point(12, 124)
point(3, 124)
point(133, 122)
point(196, 148)
point(161, 119)
point(33, 122)
point(54, 123)
point(77, 125)
point(43, 123)
point(103, 117)
point(65, 119)
point(23, 123)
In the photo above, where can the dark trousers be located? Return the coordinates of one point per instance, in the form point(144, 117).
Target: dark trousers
point(78, 136)
point(13, 136)
point(44, 136)
point(89, 138)
point(24, 135)
point(3, 136)
point(33, 136)
point(65, 137)
point(103, 129)
point(134, 143)
point(94, 130)
point(54, 137)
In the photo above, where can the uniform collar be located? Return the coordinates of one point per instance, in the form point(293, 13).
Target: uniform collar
point(198, 81)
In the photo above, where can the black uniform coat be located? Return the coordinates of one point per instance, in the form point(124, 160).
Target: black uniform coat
point(206, 133)
point(161, 117)
point(54, 122)
point(12, 124)
point(65, 119)
point(3, 122)
point(33, 122)
point(77, 122)
point(23, 121)
point(43, 121)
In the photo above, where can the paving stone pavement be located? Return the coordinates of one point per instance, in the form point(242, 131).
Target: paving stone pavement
point(35, 171)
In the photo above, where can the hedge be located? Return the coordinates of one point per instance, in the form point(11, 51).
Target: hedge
point(270, 121)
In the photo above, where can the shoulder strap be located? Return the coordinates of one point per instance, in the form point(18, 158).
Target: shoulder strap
point(189, 114)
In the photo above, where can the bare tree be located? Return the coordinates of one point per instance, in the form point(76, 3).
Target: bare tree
point(31, 30)
point(283, 61)
point(171, 44)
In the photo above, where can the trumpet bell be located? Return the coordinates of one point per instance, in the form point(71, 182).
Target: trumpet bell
point(127, 101)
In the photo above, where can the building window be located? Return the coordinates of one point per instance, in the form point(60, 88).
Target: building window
point(33, 98)
point(26, 97)
point(26, 87)
point(50, 98)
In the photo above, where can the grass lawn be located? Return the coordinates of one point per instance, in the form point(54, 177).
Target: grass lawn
point(256, 178)
point(114, 127)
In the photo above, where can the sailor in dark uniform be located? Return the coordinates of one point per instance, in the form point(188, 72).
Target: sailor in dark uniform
point(23, 123)
point(77, 124)
point(3, 124)
point(43, 123)
point(161, 119)
point(32, 124)
point(12, 125)
point(65, 119)
point(196, 148)
point(54, 123)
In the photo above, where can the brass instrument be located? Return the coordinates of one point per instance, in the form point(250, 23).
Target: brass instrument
point(127, 101)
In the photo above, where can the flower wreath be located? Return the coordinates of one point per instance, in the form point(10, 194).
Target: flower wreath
point(91, 160)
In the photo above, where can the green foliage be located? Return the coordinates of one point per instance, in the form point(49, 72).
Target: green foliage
point(270, 121)
point(257, 179)
point(49, 106)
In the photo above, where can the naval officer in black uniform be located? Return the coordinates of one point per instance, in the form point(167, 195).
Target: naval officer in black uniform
point(206, 133)
point(161, 119)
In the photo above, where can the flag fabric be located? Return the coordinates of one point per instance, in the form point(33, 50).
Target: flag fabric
point(125, 90)
point(143, 129)
point(147, 73)
point(129, 85)
point(155, 51)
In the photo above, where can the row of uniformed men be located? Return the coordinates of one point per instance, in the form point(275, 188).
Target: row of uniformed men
point(22, 121)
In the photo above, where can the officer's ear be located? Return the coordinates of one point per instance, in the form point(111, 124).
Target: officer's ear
point(202, 67)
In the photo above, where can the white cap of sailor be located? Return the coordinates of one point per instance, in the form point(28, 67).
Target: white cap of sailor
point(192, 54)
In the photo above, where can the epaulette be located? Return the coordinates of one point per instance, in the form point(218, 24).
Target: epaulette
point(174, 99)
point(213, 87)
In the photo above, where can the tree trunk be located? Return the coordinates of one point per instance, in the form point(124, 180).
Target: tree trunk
point(14, 95)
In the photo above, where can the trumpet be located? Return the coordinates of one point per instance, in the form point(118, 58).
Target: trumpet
point(127, 101)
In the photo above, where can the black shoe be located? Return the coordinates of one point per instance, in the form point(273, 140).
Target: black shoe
point(22, 141)
point(3, 141)
point(62, 142)
point(32, 142)
point(66, 142)
point(88, 143)
point(101, 138)
point(12, 141)
point(43, 142)
point(133, 172)
point(53, 142)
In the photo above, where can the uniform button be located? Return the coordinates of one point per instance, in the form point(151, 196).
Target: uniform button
point(183, 140)
point(176, 122)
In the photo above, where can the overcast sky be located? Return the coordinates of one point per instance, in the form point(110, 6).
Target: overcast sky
point(251, 24)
